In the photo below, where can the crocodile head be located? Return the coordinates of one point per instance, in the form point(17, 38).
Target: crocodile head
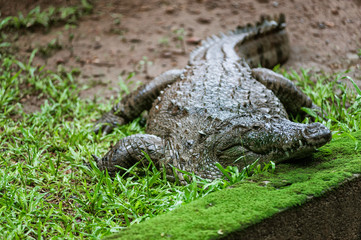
point(266, 138)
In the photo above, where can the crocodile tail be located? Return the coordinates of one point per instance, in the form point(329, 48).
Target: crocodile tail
point(263, 44)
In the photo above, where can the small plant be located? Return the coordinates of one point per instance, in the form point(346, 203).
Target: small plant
point(4, 22)
point(52, 46)
point(5, 44)
point(144, 64)
point(117, 18)
point(70, 28)
point(124, 84)
point(164, 41)
point(116, 26)
point(123, 87)
point(180, 34)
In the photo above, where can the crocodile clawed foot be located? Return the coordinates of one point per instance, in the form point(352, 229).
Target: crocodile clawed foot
point(107, 123)
point(105, 128)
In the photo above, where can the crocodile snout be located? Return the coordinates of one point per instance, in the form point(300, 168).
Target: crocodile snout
point(316, 134)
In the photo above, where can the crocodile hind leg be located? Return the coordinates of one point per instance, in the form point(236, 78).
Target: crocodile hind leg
point(291, 97)
point(130, 150)
point(132, 105)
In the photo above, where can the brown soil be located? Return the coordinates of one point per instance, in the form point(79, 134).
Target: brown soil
point(111, 42)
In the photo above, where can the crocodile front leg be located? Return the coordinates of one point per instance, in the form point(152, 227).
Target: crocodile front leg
point(130, 150)
point(291, 97)
point(132, 105)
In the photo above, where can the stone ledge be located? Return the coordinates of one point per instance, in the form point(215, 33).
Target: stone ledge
point(336, 215)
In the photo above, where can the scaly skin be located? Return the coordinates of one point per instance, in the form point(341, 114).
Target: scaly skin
point(218, 109)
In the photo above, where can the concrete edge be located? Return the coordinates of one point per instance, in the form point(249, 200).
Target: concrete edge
point(335, 215)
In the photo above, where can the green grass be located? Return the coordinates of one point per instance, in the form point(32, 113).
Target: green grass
point(47, 192)
point(340, 105)
point(37, 17)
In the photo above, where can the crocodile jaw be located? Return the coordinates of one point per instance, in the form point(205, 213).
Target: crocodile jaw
point(276, 140)
point(292, 141)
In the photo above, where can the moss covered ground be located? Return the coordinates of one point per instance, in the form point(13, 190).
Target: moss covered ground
point(257, 198)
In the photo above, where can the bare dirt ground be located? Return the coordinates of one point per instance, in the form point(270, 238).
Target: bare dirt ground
point(123, 36)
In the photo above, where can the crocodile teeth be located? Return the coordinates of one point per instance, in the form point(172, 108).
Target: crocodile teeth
point(300, 142)
point(202, 133)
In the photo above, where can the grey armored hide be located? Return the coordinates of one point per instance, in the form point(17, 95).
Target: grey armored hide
point(218, 109)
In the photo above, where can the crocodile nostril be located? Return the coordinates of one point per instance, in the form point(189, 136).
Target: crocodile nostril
point(316, 134)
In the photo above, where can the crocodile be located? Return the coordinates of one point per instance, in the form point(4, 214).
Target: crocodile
point(221, 108)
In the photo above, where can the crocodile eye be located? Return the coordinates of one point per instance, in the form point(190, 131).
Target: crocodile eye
point(256, 126)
